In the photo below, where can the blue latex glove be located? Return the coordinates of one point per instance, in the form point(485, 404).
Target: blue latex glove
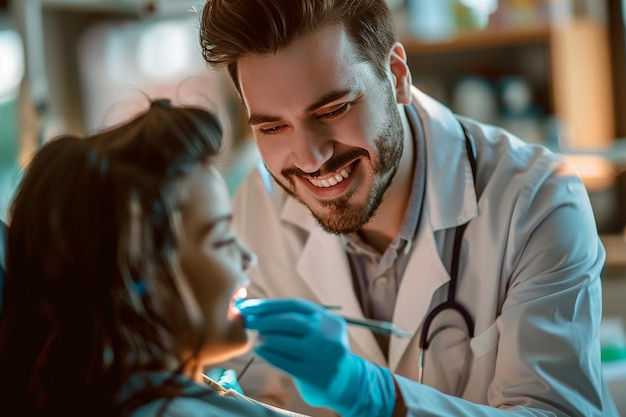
point(311, 344)
point(227, 378)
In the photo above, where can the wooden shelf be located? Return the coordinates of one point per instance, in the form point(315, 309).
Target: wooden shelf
point(489, 38)
point(568, 62)
point(128, 8)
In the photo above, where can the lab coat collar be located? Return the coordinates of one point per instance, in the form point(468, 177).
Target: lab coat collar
point(450, 192)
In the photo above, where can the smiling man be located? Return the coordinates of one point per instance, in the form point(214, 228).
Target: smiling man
point(377, 198)
point(329, 131)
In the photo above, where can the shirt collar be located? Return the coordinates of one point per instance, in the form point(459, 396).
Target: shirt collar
point(408, 228)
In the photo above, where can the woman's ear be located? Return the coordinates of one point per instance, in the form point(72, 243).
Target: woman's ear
point(401, 74)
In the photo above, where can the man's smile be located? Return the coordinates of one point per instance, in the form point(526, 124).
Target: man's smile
point(331, 180)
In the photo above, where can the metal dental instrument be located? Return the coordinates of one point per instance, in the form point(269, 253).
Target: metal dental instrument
point(245, 368)
point(377, 326)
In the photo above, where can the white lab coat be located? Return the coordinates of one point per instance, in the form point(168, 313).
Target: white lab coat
point(529, 276)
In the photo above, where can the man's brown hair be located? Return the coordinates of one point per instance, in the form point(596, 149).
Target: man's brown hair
point(231, 29)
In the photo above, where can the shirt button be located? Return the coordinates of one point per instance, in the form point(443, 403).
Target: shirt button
point(381, 281)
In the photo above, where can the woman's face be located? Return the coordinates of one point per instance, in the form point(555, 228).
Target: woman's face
point(213, 261)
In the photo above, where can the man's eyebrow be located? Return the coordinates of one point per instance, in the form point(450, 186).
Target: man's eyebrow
point(257, 118)
point(327, 98)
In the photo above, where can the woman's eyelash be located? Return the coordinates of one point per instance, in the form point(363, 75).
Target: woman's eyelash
point(225, 242)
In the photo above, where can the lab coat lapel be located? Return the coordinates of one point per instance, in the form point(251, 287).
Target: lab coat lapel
point(323, 266)
point(424, 274)
point(450, 192)
point(450, 200)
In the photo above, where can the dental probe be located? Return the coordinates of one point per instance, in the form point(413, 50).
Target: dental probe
point(377, 326)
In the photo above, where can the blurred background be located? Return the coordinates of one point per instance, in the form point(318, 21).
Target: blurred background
point(551, 71)
point(77, 66)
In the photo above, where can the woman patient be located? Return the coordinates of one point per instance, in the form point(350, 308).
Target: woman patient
point(122, 271)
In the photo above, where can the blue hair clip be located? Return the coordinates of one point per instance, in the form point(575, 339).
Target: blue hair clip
point(140, 288)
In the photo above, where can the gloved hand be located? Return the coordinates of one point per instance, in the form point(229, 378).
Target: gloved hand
point(311, 344)
point(227, 378)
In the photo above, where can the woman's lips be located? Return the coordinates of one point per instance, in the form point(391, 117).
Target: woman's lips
point(240, 293)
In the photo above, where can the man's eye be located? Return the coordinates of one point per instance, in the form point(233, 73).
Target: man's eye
point(339, 111)
point(270, 130)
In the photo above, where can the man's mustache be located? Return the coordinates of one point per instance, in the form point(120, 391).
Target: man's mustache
point(331, 166)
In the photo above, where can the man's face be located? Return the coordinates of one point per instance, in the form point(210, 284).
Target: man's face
point(326, 124)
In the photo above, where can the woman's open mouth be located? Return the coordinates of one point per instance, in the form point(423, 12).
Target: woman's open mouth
point(239, 294)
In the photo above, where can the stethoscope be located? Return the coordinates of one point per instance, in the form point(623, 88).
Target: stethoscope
point(450, 303)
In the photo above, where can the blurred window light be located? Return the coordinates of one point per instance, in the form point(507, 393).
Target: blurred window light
point(11, 64)
point(481, 6)
point(479, 10)
point(121, 63)
point(164, 50)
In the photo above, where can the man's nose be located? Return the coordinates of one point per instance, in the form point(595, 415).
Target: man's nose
point(311, 149)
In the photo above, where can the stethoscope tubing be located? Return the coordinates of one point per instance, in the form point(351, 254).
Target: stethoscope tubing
point(450, 303)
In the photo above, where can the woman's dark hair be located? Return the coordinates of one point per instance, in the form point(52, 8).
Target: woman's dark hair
point(91, 294)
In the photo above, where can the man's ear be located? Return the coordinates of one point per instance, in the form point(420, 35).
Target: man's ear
point(401, 73)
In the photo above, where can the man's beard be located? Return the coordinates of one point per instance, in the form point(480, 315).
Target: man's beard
point(340, 215)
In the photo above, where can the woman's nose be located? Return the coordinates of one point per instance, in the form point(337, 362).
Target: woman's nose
point(248, 258)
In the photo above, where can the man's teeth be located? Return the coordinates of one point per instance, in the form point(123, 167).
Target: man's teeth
point(332, 180)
